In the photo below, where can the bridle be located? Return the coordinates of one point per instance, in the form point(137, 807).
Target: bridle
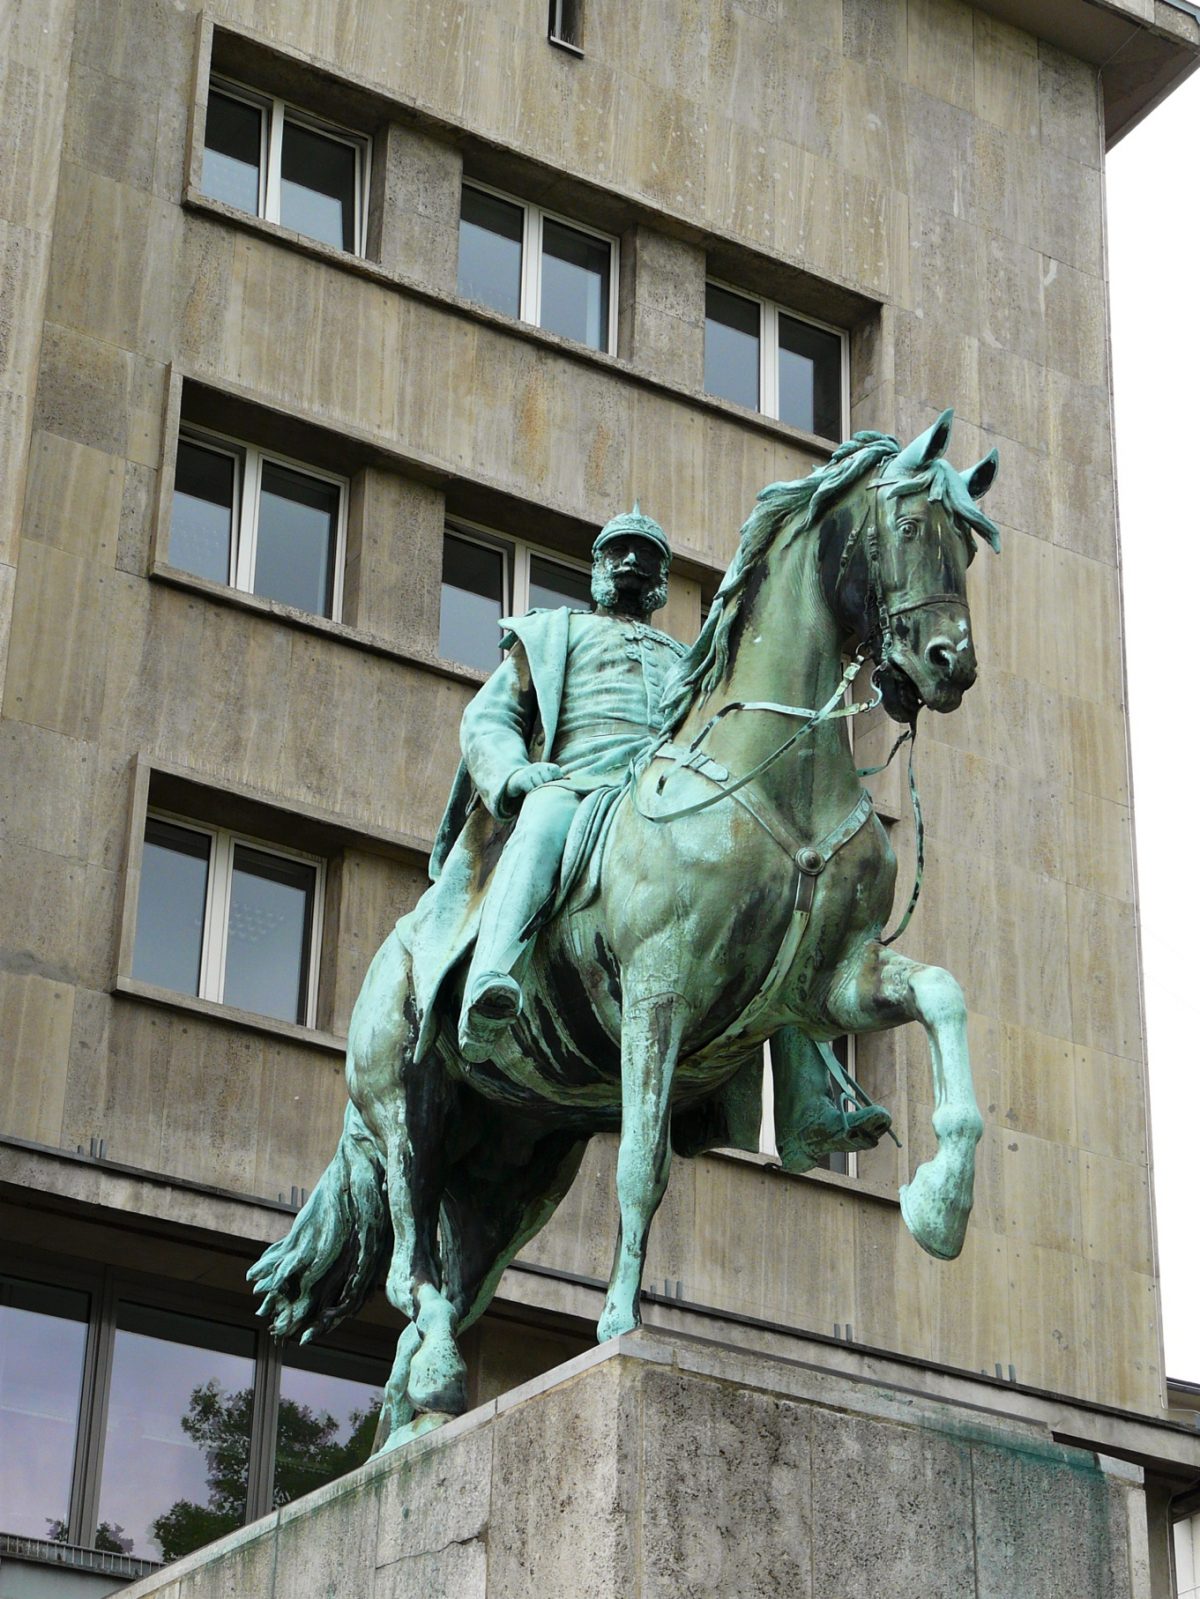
point(693, 758)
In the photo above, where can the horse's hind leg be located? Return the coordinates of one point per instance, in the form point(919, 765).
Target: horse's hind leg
point(884, 990)
point(405, 1106)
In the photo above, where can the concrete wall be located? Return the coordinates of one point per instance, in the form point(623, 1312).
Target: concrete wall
point(921, 173)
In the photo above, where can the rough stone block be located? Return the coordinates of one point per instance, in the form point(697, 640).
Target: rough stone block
point(35, 1022)
point(83, 389)
point(394, 559)
point(1006, 77)
point(1069, 95)
point(1075, 322)
point(751, 1474)
point(941, 50)
point(61, 606)
point(909, 1491)
point(421, 205)
point(74, 497)
point(325, 1543)
point(662, 311)
point(1046, 1523)
point(563, 1490)
point(876, 34)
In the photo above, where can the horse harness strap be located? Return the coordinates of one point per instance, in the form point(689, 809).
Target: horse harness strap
point(810, 860)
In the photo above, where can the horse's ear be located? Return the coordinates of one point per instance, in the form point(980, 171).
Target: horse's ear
point(982, 475)
point(926, 448)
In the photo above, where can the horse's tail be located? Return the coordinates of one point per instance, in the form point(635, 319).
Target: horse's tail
point(330, 1260)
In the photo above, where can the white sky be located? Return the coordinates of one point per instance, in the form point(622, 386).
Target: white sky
point(1154, 245)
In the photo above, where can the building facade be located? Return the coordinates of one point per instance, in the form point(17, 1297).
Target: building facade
point(331, 332)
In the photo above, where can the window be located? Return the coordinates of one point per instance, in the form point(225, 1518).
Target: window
point(762, 357)
point(259, 523)
point(43, 1341)
point(223, 918)
point(485, 578)
point(528, 264)
point(268, 159)
point(566, 25)
point(203, 1423)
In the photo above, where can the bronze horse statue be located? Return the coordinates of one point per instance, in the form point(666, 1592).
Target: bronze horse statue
point(738, 894)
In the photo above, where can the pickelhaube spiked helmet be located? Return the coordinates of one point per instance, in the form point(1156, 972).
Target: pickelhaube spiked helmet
point(632, 524)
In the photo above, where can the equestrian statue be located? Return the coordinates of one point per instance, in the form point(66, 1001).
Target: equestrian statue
point(655, 861)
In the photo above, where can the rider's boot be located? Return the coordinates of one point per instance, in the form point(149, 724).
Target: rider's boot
point(523, 882)
point(811, 1119)
point(491, 1005)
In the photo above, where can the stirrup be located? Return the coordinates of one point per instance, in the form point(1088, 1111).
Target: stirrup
point(489, 1011)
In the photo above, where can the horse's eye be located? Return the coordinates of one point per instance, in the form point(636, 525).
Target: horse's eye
point(909, 529)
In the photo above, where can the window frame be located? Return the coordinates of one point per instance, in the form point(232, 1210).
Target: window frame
point(249, 460)
point(214, 941)
point(530, 294)
point(518, 556)
point(769, 312)
point(277, 111)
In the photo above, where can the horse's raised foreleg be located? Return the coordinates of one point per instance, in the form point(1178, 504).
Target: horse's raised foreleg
point(651, 1033)
point(883, 991)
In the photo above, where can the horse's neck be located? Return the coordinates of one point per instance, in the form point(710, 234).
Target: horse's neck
point(787, 653)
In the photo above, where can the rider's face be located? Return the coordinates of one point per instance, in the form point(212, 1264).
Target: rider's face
point(629, 575)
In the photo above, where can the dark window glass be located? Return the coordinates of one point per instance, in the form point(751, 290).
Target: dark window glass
point(731, 346)
point(328, 1410)
point(177, 1440)
point(297, 539)
point(318, 186)
point(489, 251)
point(170, 915)
point(566, 22)
point(810, 378)
point(472, 603)
point(232, 152)
point(575, 278)
point(270, 934)
point(202, 511)
point(43, 1336)
point(551, 584)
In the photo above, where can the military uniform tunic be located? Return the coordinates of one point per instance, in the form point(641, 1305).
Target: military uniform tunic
point(615, 673)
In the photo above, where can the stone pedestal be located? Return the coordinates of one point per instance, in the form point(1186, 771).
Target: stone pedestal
point(659, 1467)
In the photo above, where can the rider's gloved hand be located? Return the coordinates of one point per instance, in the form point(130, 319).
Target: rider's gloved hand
point(527, 778)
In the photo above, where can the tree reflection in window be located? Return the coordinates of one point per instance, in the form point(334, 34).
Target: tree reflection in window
point(309, 1454)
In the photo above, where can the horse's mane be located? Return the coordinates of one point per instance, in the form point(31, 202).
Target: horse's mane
point(804, 501)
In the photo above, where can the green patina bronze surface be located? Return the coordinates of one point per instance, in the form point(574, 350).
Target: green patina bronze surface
point(609, 947)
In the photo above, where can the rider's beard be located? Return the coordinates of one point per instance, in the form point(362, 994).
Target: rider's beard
point(609, 595)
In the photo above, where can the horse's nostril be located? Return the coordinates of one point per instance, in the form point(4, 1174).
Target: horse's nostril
point(940, 654)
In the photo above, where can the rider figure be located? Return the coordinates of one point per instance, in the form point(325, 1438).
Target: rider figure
point(597, 682)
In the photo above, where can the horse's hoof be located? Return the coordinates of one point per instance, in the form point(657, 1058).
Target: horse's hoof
point(613, 1324)
point(428, 1421)
point(938, 1224)
point(437, 1378)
